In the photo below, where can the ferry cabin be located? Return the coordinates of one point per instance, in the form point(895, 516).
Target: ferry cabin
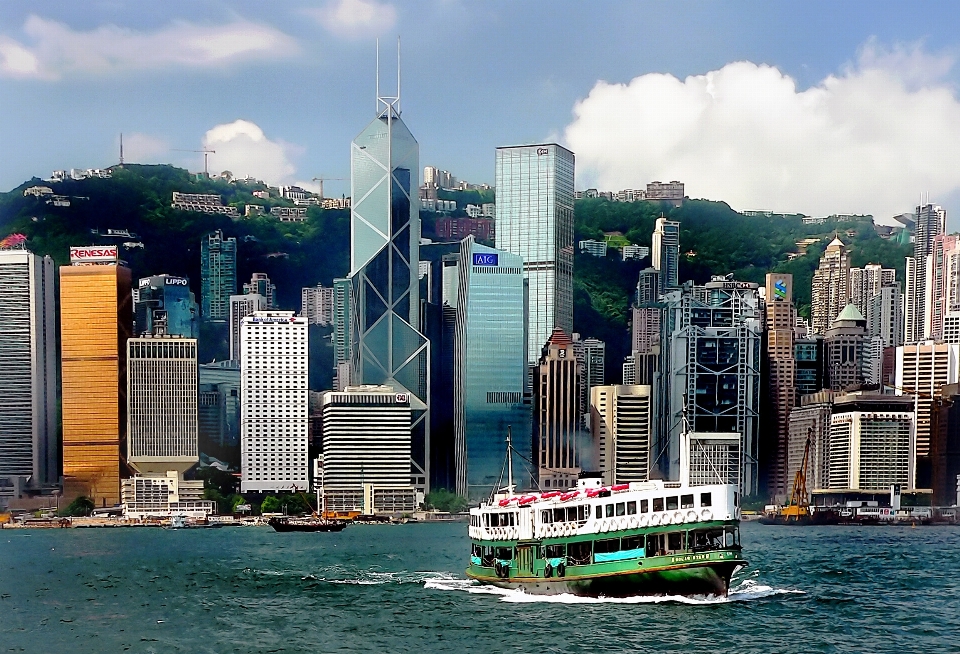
point(578, 532)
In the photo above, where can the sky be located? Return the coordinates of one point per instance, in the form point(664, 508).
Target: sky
point(811, 107)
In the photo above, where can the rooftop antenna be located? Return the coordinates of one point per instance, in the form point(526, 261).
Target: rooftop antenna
point(121, 149)
point(390, 104)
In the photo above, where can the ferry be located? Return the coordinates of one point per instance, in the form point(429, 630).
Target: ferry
point(639, 538)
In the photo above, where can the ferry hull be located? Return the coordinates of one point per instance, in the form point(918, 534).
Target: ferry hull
point(711, 578)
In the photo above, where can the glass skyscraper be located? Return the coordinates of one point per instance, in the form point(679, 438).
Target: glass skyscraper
point(218, 275)
point(168, 298)
point(387, 347)
point(535, 221)
point(489, 365)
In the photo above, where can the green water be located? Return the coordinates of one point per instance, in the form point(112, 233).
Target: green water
point(401, 589)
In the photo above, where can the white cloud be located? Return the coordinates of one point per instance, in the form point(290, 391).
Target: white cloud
point(868, 140)
point(143, 148)
point(355, 18)
point(243, 149)
point(53, 50)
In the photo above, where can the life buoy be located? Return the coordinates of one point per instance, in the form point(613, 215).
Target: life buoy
point(606, 527)
point(623, 523)
point(644, 519)
point(561, 569)
point(655, 519)
point(691, 516)
point(547, 571)
point(596, 527)
point(706, 514)
point(633, 523)
point(677, 518)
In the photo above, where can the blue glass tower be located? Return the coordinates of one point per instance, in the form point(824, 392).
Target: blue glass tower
point(387, 346)
point(489, 365)
point(168, 298)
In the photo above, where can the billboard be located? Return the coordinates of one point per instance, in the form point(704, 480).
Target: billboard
point(93, 254)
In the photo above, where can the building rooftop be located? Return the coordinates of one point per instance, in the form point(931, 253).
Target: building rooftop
point(850, 312)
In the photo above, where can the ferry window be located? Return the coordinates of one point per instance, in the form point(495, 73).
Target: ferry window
point(631, 508)
point(486, 519)
point(546, 517)
point(579, 553)
point(644, 506)
point(655, 544)
point(513, 519)
point(609, 510)
point(559, 515)
point(675, 541)
point(686, 501)
point(706, 499)
point(672, 503)
point(554, 551)
point(631, 543)
point(475, 550)
point(583, 511)
point(606, 546)
point(736, 498)
point(658, 504)
point(505, 553)
point(487, 558)
point(599, 511)
point(621, 508)
point(572, 514)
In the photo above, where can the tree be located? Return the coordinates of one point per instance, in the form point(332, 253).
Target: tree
point(444, 500)
point(82, 506)
point(271, 504)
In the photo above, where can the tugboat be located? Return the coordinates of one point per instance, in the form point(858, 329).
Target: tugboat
point(313, 523)
point(619, 540)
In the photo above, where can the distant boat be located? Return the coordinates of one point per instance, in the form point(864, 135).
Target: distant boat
point(312, 523)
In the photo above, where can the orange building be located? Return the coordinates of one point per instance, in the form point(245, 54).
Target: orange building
point(95, 322)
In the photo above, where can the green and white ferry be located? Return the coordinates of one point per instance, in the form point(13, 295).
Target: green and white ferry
point(640, 538)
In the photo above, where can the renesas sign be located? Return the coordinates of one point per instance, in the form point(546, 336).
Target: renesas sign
point(486, 259)
point(93, 254)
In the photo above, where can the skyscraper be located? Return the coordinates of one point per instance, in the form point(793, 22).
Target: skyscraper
point(96, 319)
point(556, 413)
point(28, 410)
point(274, 404)
point(665, 252)
point(622, 428)
point(242, 306)
point(342, 331)
point(535, 221)
point(781, 378)
point(260, 284)
point(218, 275)
point(866, 282)
point(388, 347)
point(316, 304)
point(489, 364)
point(162, 403)
point(931, 221)
point(591, 358)
point(846, 352)
point(168, 299)
point(943, 289)
point(831, 286)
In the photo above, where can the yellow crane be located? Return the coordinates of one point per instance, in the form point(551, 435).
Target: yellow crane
point(798, 506)
point(206, 153)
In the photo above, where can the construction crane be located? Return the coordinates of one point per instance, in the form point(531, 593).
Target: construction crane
point(798, 506)
point(206, 153)
point(323, 179)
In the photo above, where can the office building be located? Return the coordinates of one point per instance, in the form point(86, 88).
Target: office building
point(218, 408)
point(556, 413)
point(342, 336)
point(365, 465)
point(845, 350)
point(535, 221)
point(665, 252)
point(709, 371)
point(809, 421)
point(943, 289)
point(489, 365)
point(945, 448)
point(645, 314)
point(260, 284)
point(162, 427)
point(809, 365)
point(218, 275)
point(96, 319)
point(866, 282)
point(242, 306)
point(387, 346)
point(781, 391)
point(922, 370)
point(165, 300)
point(316, 304)
point(886, 317)
point(591, 358)
point(163, 495)
point(831, 286)
point(929, 222)
point(622, 427)
point(28, 411)
point(273, 402)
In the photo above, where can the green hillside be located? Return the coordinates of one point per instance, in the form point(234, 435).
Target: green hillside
point(137, 198)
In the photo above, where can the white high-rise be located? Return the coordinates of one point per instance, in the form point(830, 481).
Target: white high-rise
point(535, 221)
point(316, 304)
point(162, 404)
point(665, 252)
point(274, 404)
point(28, 410)
point(622, 429)
point(931, 221)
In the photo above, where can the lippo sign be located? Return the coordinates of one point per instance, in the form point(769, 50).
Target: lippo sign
point(93, 254)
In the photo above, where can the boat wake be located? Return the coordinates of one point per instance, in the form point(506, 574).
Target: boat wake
point(744, 590)
point(353, 577)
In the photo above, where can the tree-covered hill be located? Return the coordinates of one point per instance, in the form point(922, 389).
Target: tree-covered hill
point(714, 239)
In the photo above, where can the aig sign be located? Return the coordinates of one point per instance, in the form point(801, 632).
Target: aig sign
point(485, 259)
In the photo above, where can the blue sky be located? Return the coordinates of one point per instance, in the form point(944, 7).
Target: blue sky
point(840, 107)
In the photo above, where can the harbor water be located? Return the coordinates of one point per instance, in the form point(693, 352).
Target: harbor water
point(401, 588)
